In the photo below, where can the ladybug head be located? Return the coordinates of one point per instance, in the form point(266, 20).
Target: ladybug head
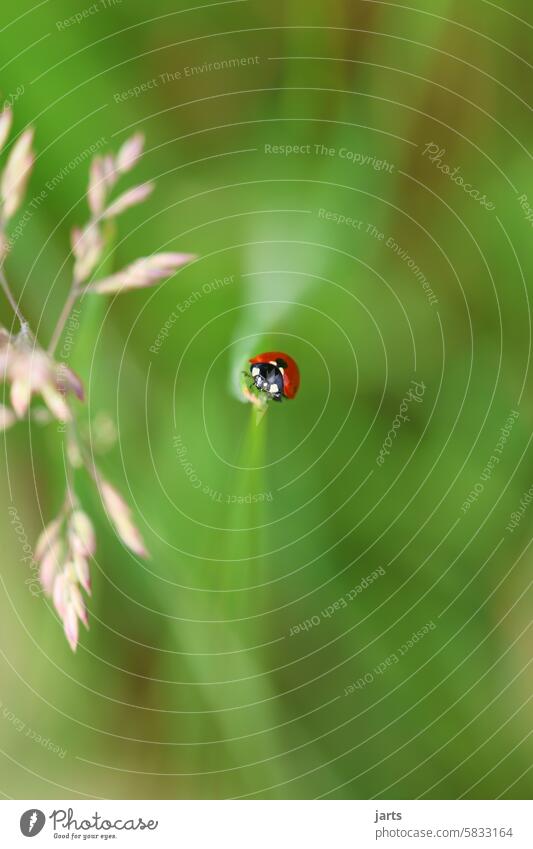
point(268, 378)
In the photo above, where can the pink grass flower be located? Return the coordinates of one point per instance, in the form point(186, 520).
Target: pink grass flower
point(51, 563)
point(130, 153)
point(83, 574)
point(63, 549)
point(129, 198)
point(87, 247)
point(30, 370)
point(70, 624)
point(97, 186)
point(141, 274)
point(81, 534)
point(6, 119)
point(16, 174)
point(120, 515)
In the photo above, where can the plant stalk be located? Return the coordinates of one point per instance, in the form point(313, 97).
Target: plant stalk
point(62, 320)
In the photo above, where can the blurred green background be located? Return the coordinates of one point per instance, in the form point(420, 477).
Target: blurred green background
point(189, 683)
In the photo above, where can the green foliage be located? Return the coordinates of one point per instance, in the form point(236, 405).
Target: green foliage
point(188, 683)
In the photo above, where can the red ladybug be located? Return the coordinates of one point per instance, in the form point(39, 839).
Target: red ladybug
point(276, 374)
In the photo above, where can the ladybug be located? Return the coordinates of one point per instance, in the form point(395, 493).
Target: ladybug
point(276, 374)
